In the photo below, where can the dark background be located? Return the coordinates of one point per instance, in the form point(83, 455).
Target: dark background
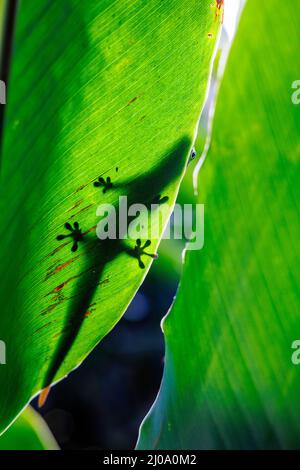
point(101, 404)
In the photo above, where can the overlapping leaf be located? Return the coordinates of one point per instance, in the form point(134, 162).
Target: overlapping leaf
point(28, 432)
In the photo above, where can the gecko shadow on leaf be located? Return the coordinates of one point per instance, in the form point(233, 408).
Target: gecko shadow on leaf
point(98, 253)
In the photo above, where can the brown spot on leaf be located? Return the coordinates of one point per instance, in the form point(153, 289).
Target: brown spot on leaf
point(90, 229)
point(80, 188)
point(60, 267)
point(53, 266)
point(50, 308)
point(61, 286)
point(60, 247)
point(62, 331)
point(132, 101)
point(82, 210)
point(77, 204)
point(41, 328)
point(90, 311)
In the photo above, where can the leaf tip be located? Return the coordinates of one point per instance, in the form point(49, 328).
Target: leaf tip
point(43, 396)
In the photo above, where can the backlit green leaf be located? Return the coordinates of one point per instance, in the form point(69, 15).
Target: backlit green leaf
point(97, 89)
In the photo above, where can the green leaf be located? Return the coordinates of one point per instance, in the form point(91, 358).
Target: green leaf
point(229, 381)
point(94, 87)
point(28, 432)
